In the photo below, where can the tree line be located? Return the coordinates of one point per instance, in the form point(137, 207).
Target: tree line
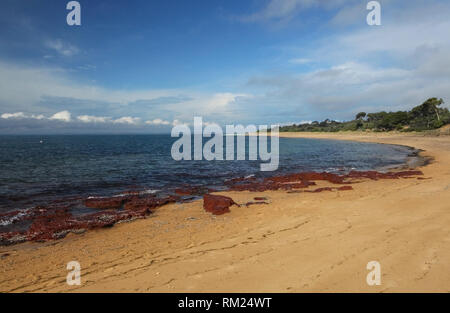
point(427, 116)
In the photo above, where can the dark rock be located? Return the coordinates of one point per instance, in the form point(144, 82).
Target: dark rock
point(320, 189)
point(260, 198)
point(217, 205)
point(255, 203)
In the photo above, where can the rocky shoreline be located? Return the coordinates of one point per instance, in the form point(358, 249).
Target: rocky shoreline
point(56, 221)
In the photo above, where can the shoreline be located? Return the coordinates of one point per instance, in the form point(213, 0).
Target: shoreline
point(54, 219)
point(422, 160)
point(288, 244)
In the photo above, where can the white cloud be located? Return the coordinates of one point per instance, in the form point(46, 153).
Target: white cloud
point(64, 116)
point(38, 117)
point(48, 89)
point(157, 121)
point(62, 48)
point(13, 115)
point(392, 67)
point(93, 119)
point(340, 91)
point(21, 115)
point(128, 120)
point(220, 104)
point(221, 100)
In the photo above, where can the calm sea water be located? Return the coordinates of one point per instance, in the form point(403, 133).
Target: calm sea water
point(34, 173)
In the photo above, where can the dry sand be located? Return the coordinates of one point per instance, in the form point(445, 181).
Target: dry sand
point(298, 243)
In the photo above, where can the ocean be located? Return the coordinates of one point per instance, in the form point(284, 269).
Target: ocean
point(37, 170)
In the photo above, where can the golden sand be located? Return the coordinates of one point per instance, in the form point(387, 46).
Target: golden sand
point(300, 242)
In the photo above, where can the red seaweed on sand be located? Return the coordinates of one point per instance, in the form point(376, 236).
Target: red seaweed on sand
point(56, 220)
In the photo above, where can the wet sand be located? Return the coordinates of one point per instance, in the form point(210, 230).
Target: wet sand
point(299, 242)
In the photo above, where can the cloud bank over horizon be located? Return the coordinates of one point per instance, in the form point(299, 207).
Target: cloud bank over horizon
point(270, 62)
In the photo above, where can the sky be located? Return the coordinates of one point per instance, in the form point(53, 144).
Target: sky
point(145, 66)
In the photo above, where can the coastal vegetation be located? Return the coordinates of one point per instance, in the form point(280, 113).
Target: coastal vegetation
point(429, 115)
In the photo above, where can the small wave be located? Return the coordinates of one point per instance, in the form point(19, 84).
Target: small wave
point(133, 193)
point(5, 221)
point(245, 177)
point(338, 169)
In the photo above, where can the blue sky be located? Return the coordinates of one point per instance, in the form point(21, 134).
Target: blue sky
point(144, 66)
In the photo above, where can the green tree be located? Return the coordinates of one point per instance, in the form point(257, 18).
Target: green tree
point(361, 115)
point(431, 106)
point(427, 114)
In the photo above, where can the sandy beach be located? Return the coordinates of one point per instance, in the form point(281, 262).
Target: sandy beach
point(299, 242)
